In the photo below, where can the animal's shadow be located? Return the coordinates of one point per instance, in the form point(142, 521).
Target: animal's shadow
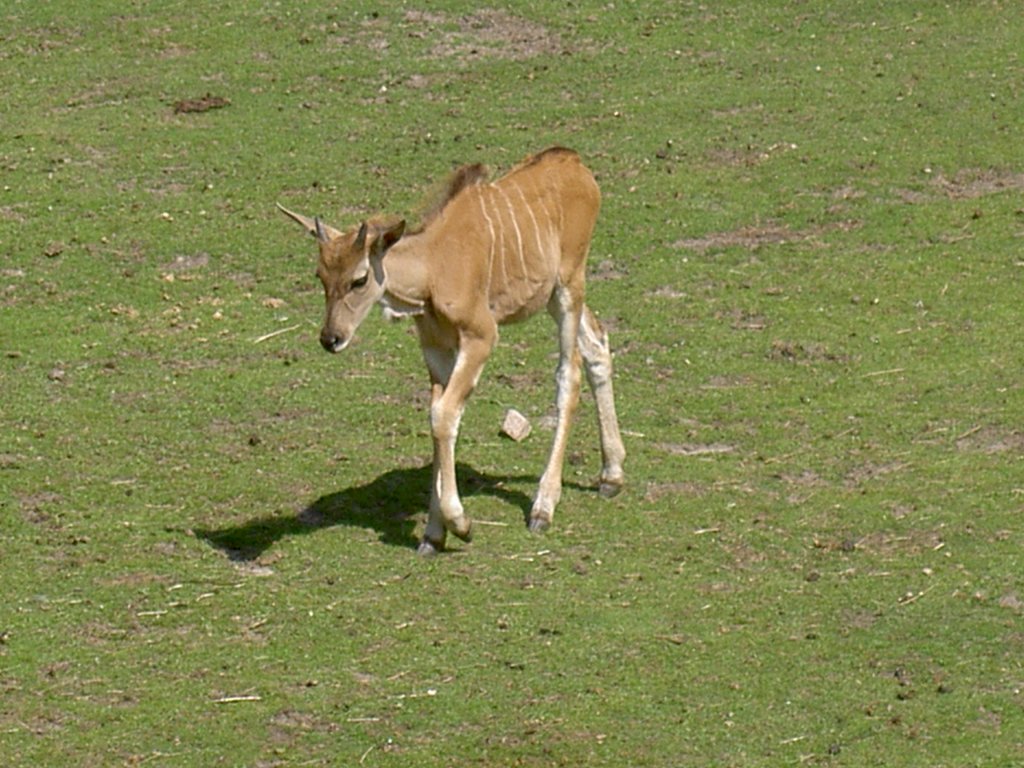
point(386, 505)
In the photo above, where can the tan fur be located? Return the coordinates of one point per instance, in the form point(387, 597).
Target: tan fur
point(465, 176)
point(486, 254)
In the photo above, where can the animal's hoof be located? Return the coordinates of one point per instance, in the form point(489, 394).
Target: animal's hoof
point(465, 535)
point(463, 529)
point(538, 524)
point(428, 548)
point(607, 489)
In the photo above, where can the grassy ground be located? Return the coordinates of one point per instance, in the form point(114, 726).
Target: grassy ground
point(810, 259)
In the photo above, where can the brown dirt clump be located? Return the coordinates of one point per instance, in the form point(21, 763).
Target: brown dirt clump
point(202, 104)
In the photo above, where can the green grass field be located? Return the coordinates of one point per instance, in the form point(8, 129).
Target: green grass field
point(810, 259)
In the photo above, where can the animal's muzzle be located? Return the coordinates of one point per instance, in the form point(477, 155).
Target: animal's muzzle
point(332, 342)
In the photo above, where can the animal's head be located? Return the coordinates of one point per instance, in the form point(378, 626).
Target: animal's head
point(351, 270)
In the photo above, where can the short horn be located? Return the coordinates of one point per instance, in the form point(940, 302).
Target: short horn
point(305, 221)
point(361, 238)
point(319, 231)
point(322, 232)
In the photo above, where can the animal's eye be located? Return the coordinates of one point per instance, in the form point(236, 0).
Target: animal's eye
point(359, 282)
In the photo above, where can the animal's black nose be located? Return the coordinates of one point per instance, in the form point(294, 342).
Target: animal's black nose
point(331, 343)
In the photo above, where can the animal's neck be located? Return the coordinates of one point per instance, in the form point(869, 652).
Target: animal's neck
point(406, 286)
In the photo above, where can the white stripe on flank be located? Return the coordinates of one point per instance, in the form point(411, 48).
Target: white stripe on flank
point(560, 224)
point(519, 235)
point(499, 238)
point(554, 244)
point(490, 228)
point(533, 218)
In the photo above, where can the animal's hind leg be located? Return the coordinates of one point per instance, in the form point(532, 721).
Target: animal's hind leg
point(565, 306)
point(597, 360)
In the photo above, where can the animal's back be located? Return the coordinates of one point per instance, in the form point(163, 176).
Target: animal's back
point(563, 172)
point(516, 237)
point(539, 215)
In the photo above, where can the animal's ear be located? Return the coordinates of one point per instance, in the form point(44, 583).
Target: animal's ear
point(392, 235)
point(321, 231)
point(314, 226)
point(386, 238)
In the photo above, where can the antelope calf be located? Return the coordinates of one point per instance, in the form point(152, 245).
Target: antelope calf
point(487, 253)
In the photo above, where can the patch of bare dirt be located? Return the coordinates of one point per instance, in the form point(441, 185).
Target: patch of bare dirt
point(991, 440)
point(607, 270)
point(183, 263)
point(666, 292)
point(737, 111)
point(36, 507)
point(289, 724)
point(741, 320)
point(174, 50)
point(524, 381)
point(800, 352)
point(806, 478)
point(754, 237)
point(854, 619)
point(903, 544)
point(9, 213)
point(744, 555)
point(846, 192)
point(42, 725)
point(911, 196)
point(10, 460)
point(202, 104)
point(133, 579)
point(899, 510)
point(425, 18)
point(694, 449)
point(418, 82)
point(658, 491)
point(744, 237)
point(748, 155)
point(40, 41)
point(971, 183)
point(872, 471)
point(496, 34)
point(98, 633)
point(727, 382)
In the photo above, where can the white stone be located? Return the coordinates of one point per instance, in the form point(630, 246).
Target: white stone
point(515, 425)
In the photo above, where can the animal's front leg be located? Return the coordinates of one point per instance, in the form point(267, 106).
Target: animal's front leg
point(435, 533)
point(449, 402)
point(446, 511)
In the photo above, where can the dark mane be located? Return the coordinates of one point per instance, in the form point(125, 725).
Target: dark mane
point(466, 176)
point(549, 152)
